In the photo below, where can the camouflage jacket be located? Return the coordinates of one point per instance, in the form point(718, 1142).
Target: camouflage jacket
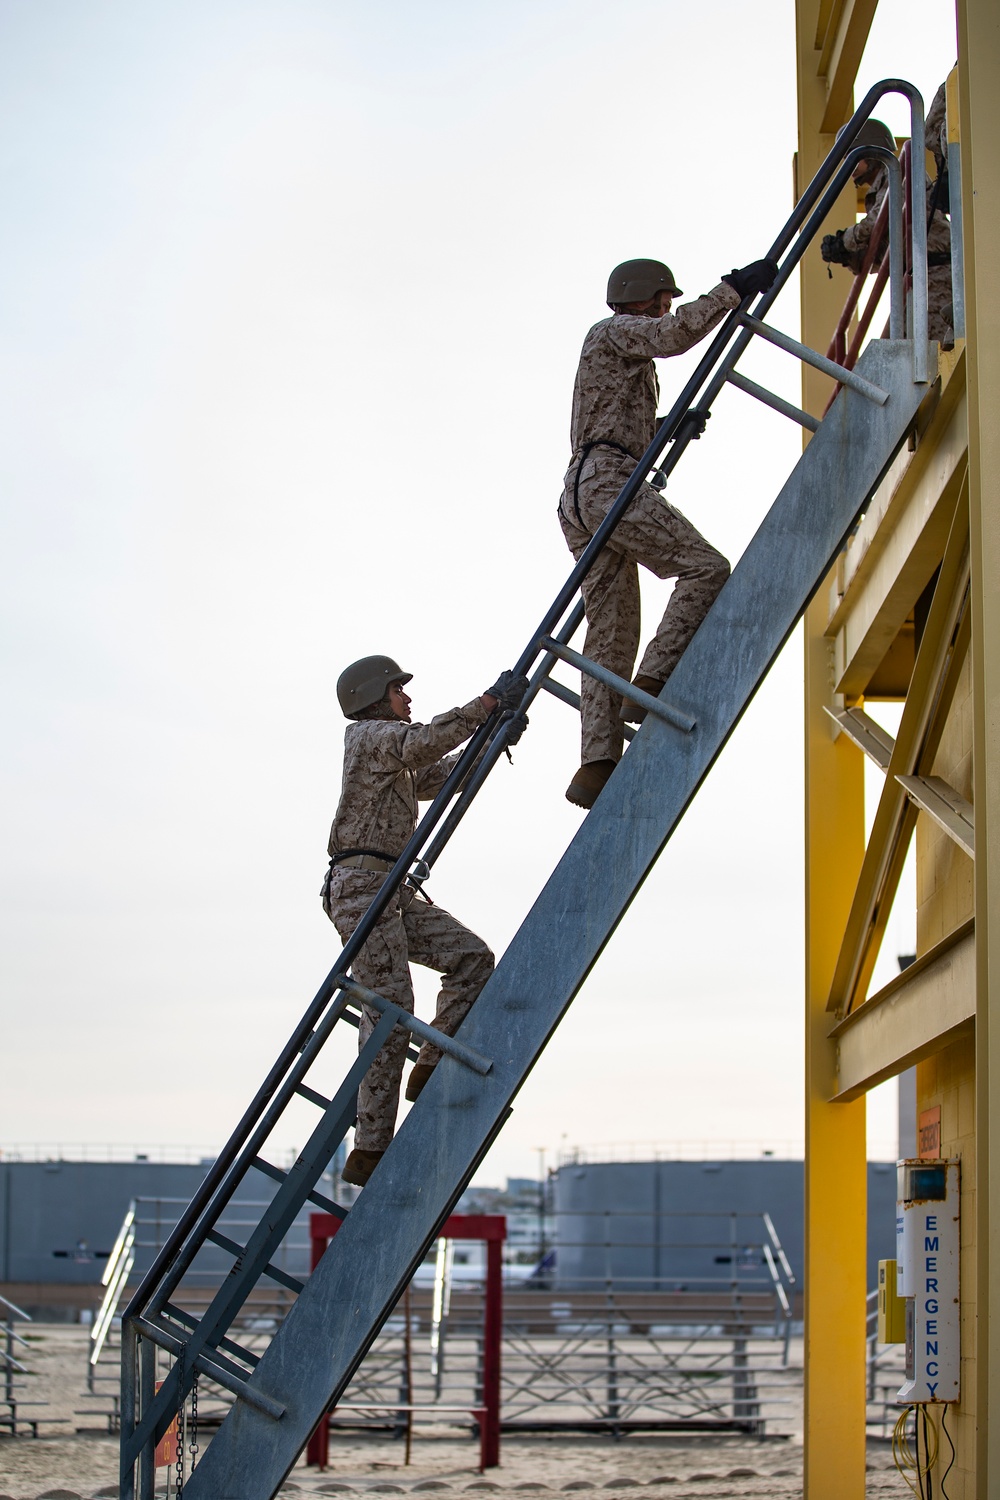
point(858, 236)
point(616, 388)
point(388, 766)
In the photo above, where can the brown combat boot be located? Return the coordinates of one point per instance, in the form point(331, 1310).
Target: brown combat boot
point(589, 782)
point(419, 1074)
point(634, 713)
point(360, 1165)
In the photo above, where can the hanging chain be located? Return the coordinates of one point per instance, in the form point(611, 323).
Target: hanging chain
point(179, 1454)
point(193, 1445)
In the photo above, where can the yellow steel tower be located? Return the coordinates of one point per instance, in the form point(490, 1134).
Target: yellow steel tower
point(911, 613)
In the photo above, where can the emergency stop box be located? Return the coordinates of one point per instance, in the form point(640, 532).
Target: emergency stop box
point(927, 1266)
point(891, 1306)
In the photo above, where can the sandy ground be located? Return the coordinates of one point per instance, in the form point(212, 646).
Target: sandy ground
point(673, 1468)
point(64, 1463)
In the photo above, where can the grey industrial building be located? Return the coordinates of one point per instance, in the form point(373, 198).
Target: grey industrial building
point(655, 1225)
point(59, 1221)
point(686, 1225)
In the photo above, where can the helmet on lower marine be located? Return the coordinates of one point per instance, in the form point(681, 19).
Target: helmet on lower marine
point(638, 280)
point(366, 682)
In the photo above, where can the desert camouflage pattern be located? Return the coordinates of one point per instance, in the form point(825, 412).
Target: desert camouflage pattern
point(409, 931)
point(615, 399)
point(388, 767)
point(936, 127)
point(653, 533)
point(616, 388)
point(939, 294)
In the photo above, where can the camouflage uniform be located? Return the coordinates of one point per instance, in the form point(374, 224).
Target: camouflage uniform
point(614, 403)
point(388, 766)
point(858, 237)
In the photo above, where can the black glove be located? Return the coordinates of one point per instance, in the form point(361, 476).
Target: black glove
point(515, 727)
point(509, 690)
point(833, 249)
point(697, 420)
point(758, 276)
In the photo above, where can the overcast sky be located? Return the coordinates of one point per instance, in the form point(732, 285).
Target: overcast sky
point(293, 294)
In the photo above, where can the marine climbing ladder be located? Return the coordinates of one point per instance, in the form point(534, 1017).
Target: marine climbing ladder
point(281, 1395)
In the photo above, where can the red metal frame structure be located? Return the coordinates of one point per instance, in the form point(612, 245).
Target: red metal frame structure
point(493, 1229)
point(839, 350)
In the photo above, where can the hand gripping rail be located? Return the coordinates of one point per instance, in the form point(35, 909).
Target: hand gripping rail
point(152, 1302)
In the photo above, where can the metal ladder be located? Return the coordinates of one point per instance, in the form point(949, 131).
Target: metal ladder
point(283, 1394)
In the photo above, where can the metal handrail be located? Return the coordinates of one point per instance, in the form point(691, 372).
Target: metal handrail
point(679, 427)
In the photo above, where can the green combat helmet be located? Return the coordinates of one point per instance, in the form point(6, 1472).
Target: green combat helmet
point(365, 682)
point(638, 280)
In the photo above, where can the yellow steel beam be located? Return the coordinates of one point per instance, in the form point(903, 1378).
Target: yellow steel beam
point(931, 688)
point(979, 87)
point(827, 17)
point(921, 472)
point(840, 58)
point(835, 1167)
point(904, 568)
point(924, 1009)
point(898, 545)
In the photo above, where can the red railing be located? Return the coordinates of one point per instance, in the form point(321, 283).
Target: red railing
point(493, 1229)
point(847, 354)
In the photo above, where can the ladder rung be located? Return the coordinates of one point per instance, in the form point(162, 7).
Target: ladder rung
point(818, 361)
point(466, 1055)
point(865, 733)
point(776, 403)
point(352, 1020)
point(277, 1175)
point(214, 1367)
point(305, 1092)
point(274, 1272)
point(673, 716)
point(190, 1322)
point(567, 695)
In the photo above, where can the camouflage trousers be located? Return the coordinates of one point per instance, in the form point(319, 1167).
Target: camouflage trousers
point(409, 931)
point(652, 533)
point(939, 297)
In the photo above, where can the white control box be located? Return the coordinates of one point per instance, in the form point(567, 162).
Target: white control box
point(927, 1254)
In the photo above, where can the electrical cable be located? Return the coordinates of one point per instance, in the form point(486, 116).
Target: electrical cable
point(951, 1445)
point(907, 1459)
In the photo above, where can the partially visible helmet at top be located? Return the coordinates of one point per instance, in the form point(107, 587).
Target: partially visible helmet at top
point(366, 682)
point(872, 133)
point(638, 280)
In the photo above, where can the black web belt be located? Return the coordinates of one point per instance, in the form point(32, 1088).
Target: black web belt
point(420, 872)
point(584, 452)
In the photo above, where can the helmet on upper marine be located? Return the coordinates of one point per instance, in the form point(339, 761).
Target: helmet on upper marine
point(366, 682)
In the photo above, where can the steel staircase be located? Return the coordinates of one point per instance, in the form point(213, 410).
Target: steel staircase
point(340, 1309)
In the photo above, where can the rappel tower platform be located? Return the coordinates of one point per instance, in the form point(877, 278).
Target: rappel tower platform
point(281, 1396)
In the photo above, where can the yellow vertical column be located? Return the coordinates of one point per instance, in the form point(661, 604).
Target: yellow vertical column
point(836, 1170)
point(979, 77)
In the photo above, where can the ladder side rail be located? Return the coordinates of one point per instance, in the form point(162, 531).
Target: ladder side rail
point(231, 1295)
point(215, 1211)
point(918, 227)
point(221, 1180)
point(498, 745)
